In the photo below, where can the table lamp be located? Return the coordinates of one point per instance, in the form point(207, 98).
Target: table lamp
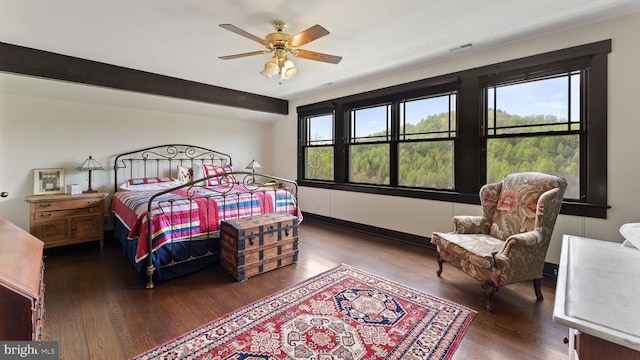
point(89, 165)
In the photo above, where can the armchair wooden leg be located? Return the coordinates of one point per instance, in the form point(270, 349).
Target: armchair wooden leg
point(536, 288)
point(440, 262)
point(489, 289)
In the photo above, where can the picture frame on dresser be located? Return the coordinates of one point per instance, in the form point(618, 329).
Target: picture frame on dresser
point(48, 181)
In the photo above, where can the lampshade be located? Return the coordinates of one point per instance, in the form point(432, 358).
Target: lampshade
point(90, 164)
point(280, 64)
point(288, 70)
point(271, 68)
point(253, 166)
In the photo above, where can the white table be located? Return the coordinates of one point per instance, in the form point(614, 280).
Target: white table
point(598, 292)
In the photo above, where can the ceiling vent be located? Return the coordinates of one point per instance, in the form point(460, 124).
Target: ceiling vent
point(464, 46)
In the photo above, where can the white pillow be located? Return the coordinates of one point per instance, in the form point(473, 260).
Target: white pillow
point(198, 172)
point(631, 233)
point(150, 187)
point(185, 174)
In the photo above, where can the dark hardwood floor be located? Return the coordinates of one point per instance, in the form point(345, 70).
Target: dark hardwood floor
point(97, 308)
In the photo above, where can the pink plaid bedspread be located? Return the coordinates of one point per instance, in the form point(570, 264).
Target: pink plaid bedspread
point(179, 216)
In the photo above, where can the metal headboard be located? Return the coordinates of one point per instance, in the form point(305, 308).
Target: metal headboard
point(163, 160)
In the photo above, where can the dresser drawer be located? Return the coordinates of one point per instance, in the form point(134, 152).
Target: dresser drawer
point(67, 204)
point(59, 214)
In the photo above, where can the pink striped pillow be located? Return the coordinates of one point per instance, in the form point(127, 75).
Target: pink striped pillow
point(210, 170)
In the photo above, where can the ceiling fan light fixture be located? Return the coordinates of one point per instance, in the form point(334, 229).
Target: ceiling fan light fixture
point(288, 70)
point(271, 68)
point(289, 74)
point(280, 43)
point(279, 64)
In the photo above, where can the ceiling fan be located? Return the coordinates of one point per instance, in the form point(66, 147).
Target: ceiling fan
point(280, 43)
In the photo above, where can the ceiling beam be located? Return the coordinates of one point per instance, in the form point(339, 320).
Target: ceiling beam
point(28, 61)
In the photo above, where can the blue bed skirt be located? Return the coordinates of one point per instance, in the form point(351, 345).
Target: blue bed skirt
point(176, 251)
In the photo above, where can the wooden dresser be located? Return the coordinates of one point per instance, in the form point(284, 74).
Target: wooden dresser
point(67, 219)
point(21, 284)
point(597, 298)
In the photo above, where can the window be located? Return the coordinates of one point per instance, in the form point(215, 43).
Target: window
point(426, 145)
point(418, 134)
point(535, 125)
point(369, 145)
point(444, 137)
point(318, 148)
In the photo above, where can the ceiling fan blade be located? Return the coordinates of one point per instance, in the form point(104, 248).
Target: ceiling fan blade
point(229, 57)
point(241, 32)
point(307, 36)
point(312, 55)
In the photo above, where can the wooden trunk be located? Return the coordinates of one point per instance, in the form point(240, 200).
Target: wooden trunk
point(256, 244)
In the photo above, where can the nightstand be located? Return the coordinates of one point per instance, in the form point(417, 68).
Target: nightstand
point(63, 219)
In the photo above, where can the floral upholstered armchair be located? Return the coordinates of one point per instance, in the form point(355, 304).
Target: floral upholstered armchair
point(509, 242)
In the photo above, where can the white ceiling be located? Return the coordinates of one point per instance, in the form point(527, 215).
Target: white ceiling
point(181, 38)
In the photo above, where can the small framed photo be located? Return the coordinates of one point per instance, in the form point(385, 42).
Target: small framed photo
point(48, 181)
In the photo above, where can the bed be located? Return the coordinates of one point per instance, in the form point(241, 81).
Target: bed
point(169, 201)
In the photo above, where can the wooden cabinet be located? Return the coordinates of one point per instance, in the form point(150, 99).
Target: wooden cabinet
point(67, 219)
point(583, 346)
point(21, 284)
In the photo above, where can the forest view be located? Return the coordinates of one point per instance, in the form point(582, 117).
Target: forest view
point(429, 161)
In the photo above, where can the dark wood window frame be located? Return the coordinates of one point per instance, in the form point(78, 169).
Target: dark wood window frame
point(470, 167)
point(308, 144)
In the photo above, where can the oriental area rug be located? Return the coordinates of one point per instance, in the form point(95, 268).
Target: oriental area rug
point(344, 313)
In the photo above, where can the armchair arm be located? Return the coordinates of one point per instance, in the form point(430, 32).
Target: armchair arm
point(528, 238)
point(465, 224)
point(521, 258)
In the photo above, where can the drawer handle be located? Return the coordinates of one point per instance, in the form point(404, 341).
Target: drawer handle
point(44, 205)
point(91, 210)
point(45, 215)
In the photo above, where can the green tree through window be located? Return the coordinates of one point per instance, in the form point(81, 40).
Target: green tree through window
point(444, 137)
point(548, 142)
point(318, 148)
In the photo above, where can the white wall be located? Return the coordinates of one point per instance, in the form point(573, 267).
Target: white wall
point(421, 217)
point(41, 132)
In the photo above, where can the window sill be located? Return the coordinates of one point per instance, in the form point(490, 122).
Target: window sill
point(568, 207)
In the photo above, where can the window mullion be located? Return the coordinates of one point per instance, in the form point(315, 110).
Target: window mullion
point(394, 155)
point(341, 153)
